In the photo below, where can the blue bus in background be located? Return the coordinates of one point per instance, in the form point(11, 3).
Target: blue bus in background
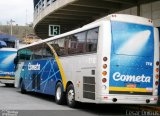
point(7, 65)
point(8, 53)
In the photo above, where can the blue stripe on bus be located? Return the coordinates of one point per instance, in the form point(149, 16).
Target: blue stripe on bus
point(49, 74)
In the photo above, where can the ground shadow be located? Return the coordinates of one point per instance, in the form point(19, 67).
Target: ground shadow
point(96, 109)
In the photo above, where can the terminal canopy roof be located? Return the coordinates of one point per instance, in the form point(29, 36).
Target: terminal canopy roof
point(7, 38)
point(80, 12)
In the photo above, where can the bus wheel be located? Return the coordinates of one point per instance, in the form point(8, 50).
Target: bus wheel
point(59, 96)
point(71, 96)
point(23, 90)
point(9, 85)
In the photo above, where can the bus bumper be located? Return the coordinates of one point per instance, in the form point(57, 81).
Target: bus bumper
point(128, 99)
point(4, 81)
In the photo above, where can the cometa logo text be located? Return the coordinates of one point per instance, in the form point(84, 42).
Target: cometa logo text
point(117, 76)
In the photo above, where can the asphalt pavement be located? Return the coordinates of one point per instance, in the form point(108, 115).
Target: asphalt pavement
point(13, 103)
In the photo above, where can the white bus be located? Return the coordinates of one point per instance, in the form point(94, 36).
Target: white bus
point(113, 60)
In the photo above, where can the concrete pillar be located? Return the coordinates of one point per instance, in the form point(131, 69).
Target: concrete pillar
point(138, 10)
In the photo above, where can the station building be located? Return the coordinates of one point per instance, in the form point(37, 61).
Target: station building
point(71, 14)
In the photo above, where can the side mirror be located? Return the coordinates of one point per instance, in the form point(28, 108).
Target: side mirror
point(16, 60)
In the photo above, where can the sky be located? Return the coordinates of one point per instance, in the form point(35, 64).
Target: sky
point(20, 11)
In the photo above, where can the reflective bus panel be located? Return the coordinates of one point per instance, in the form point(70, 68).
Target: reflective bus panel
point(132, 48)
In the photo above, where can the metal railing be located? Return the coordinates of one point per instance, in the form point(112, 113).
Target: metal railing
point(41, 5)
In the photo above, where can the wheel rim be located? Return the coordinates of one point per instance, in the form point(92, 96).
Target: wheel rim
point(70, 96)
point(58, 93)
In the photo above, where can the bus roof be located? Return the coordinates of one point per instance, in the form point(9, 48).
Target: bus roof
point(113, 17)
point(8, 49)
point(126, 18)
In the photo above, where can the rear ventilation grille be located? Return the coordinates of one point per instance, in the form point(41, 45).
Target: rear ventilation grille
point(89, 87)
point(89, 80)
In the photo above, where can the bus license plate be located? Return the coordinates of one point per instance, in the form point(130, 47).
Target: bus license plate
point(131, 85)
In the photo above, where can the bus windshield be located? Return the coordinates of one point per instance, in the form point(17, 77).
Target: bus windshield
point(132, 39)
point(7, 61)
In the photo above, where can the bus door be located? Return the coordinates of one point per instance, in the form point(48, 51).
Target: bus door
point(36, 81)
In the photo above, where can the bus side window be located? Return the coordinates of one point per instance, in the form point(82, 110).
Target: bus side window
point(46, 51)
point(92, 40)
point(56, 46)
point(38, 51)
point(20, 55)
point(29, 53)
point(77, 43)
point(60, 46)
point(24, 55)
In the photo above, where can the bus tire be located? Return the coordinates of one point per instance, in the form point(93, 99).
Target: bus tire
point(59, 94)
point(70, 96)
point(23, 90)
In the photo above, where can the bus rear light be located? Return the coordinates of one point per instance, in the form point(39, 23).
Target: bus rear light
point(104, 58)
point(104, 80)
point(104, 73)
point(157, 70)
point(157, 76)
point(156, 83)
point(157, 63)
point(104, 66)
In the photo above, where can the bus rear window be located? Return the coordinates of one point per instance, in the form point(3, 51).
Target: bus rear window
point(132, 39)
